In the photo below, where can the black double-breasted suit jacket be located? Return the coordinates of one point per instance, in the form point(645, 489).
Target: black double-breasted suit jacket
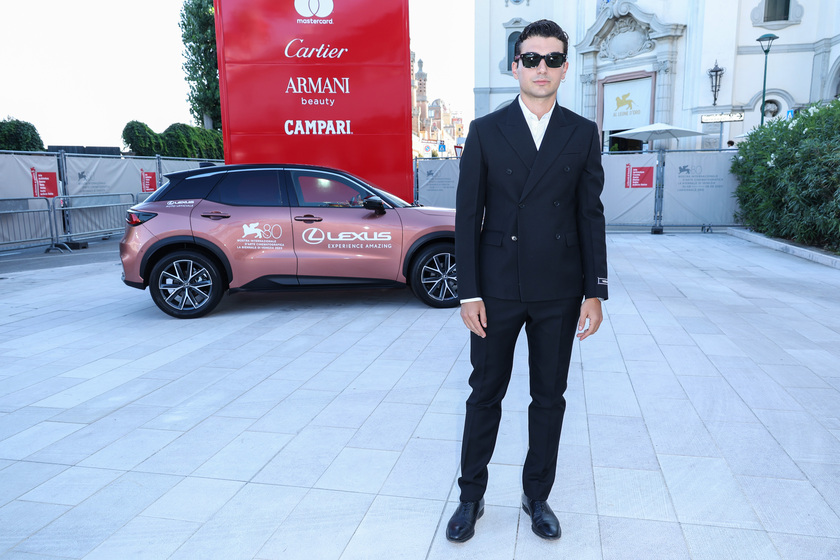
point(529, 223)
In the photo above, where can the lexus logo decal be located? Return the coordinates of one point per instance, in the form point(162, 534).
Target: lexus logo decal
point(313, 236)
point(314, 8)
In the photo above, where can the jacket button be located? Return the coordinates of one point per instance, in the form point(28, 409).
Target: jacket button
point(567, 169)
point(556, 203)
point(522, 205)
point(513, 238)
point(557, 236)
point(509, 171)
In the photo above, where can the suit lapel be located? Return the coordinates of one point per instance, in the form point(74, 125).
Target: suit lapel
point(557, 135)
point(516, 132)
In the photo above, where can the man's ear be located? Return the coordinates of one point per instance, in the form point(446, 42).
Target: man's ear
point(513, 69)
point(565, 69)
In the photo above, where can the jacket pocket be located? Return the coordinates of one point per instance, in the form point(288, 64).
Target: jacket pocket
point(492, 238)
point(570, 237)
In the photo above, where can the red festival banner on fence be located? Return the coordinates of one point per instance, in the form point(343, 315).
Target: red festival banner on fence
point(638, 177)
point(322, 82)
point(148, 181)
point(44, 183)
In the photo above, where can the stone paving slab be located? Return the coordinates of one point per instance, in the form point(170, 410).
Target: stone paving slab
point(703, 420)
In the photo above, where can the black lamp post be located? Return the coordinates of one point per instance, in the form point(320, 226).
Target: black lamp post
point(765, 40)
point(715, 75)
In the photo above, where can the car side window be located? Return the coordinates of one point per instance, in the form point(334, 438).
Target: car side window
point(250, 187)
point(197, 186)
point(327, 190)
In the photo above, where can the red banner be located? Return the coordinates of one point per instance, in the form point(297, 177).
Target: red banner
point(44, 183)
point(322, 82)
point(638, 177)
point(148, 181)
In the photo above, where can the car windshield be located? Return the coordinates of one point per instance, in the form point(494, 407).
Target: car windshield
point(389, 198)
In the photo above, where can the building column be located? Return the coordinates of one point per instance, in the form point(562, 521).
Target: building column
point(589, 95)
point(664, 90)
point(820, 77)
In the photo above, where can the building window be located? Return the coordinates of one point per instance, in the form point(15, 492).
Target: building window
point(513, 29)
point(777, 14)
point(512, 38)
point(776, 10)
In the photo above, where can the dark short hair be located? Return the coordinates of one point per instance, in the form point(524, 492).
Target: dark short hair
point(542, 28)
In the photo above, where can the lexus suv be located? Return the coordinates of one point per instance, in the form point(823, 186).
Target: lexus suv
point(272, 227)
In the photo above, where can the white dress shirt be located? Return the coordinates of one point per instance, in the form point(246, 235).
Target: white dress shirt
point(537, 125)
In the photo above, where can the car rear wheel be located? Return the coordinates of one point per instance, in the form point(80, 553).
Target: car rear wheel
point(433, 276)
point(186, 285)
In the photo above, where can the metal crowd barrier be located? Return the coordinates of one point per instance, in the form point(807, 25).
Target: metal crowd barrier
point(55, 222)
point(88, 216)
point(26, 222)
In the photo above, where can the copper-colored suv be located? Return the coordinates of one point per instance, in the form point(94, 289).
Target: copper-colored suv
point(269, 227)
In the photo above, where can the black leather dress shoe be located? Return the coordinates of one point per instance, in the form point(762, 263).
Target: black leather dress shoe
point(543, 521)
point(461, 526)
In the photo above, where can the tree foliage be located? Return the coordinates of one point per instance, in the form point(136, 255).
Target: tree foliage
point(198, 31)
point(789, 172)
point(179, 140)
point(20, 136)
point(141, 139)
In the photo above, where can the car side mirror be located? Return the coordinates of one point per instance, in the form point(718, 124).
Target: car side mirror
point(376, 204)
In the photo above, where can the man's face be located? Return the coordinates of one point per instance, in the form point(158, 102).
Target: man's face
point(541, 81)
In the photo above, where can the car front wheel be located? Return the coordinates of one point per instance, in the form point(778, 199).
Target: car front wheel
point(186, 285)
point(433, 276)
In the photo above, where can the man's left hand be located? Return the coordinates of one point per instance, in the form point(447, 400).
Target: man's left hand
point(590, 309)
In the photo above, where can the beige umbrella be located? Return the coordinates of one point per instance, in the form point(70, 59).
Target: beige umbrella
point(658, 131)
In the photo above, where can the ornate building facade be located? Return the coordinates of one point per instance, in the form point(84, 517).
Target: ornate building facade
point(636, 62)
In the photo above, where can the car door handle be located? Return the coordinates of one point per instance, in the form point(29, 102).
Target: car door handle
point(215, 215)
point(308, 219)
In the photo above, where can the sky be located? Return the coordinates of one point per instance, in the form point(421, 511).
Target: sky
point(79, 70)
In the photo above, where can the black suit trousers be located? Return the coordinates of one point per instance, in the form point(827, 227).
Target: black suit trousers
point(550, 328)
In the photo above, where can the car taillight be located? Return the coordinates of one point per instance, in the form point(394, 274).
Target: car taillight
point(135, 218)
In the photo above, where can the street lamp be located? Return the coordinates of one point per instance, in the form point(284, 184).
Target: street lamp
point(765, 40)
point(715, 75)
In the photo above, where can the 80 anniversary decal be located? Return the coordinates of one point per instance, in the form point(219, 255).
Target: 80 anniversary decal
point(348, 239)
point(260, 236)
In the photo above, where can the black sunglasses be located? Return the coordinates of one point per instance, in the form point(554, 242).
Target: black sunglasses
point(532, 59)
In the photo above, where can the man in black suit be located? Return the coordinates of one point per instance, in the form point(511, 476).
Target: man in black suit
point(530, 246)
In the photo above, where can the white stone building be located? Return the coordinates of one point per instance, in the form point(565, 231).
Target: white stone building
point(635, 62)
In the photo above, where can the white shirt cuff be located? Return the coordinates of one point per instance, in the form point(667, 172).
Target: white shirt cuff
point(468, 300)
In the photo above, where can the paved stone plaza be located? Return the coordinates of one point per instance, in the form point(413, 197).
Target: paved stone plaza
point(703, 419)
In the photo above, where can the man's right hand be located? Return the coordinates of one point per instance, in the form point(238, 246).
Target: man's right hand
point(475, 317)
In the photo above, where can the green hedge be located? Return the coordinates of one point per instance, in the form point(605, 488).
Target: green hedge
point(789, 172)
point(19, 136)
point(179, 140)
